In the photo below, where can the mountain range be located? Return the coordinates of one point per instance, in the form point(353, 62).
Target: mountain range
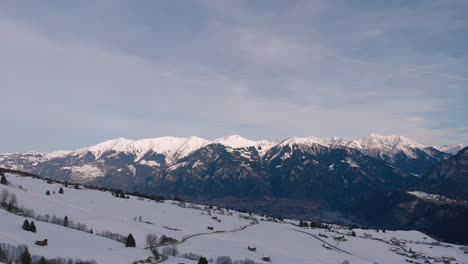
point(405, 153)
point(332, 178)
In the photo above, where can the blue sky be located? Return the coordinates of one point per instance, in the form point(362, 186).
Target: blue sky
point(74, 73)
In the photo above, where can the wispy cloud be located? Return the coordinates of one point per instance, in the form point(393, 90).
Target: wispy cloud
point(71, 78)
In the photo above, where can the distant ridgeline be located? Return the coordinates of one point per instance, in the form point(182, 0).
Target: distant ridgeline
point(364, 181)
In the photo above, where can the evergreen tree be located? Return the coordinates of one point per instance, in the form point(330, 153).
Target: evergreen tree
point(202, 260)
point(26, 225)
point(65, 221)
point(33, 227)
point(42, 261)
point(61, 190)
point(26, 257)
point(47, 193)
point(3, 180)
point(130, 242)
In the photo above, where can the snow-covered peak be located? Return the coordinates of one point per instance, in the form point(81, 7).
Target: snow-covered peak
point(119, 145)
point(235, 141)
point(178, 147)
point(333, 141)
point(451, 149)
point(59, 153)
point(171, 147)
point(377, 141)
point(175, 148)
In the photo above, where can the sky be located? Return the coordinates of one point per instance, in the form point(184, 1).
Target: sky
point(75, 73)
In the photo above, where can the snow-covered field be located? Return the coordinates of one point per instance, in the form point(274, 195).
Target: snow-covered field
point(282, 242)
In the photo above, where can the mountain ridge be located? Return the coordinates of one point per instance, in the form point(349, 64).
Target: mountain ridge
point(179, 147)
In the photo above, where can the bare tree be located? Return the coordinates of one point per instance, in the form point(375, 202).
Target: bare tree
point(12, 202)
point(175, 251)
point(171, 251)
point(4, 196)
point(224, 260)
point(151, 241)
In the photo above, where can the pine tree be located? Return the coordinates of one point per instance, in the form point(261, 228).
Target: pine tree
point(61, 190)
point(26, 225)
point(130, 242)
point(202, 260)
point(47, 193)
point(33, 227)
point(3, 180)
point(26, 257)
point(42, 261)
point(65, 221)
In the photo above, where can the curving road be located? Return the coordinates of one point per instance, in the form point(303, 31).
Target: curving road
point(325, 242)
point(184, 239)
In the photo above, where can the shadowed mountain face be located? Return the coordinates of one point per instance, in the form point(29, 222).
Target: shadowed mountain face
point(449, 177)
point(285, 171)
point(345, 182)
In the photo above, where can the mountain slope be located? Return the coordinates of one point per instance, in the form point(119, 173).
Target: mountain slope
point(448, 178)
point(450, 149)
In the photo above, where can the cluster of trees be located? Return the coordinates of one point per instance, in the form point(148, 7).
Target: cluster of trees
point(29, 226)
point(14, 254)
point(191, 256)
point(20, 173)
point(312, 224)
point(152, 241)
point(120, 194)
point(8, 201)
point(171, 251)
point(167, 240)
point(64, 222)
point(202, 260)
point(20, 254)
point(60, 191)
point(114, 236)
point(219, 260)
point(228, 260)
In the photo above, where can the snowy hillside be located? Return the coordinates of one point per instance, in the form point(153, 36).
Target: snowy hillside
point(230, 233)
